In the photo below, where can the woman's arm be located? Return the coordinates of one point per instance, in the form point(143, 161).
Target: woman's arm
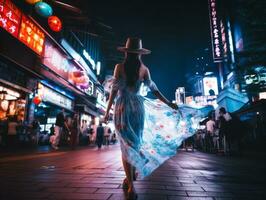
point(112, 94)
point(157, 92)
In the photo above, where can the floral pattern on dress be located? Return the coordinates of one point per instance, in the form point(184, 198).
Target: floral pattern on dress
point(150, 132)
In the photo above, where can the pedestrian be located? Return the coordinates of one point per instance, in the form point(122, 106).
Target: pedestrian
point(210, 127)
point(59, 125)
point(12, 131)
point(4, 131)
point(99, 135)
point(225, 127)
point(35, 131)
point(113, 138)
point(164, 129)
point(52, 130)
point(107, 134)
point(74, 131)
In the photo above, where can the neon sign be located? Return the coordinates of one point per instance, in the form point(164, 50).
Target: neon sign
point(56, 60)
point(95, 66)
point(9, 17)
point(54, 97)
point(20, 26)
point(31, 35)
point(88, 57)
point(223, 38)
point(215, 32)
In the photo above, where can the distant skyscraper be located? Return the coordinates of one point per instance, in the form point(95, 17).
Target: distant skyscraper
point(180, 95)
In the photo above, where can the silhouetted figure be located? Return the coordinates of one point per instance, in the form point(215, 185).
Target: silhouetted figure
point(100, 135)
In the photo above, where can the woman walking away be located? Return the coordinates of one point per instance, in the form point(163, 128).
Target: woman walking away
point(149, 130)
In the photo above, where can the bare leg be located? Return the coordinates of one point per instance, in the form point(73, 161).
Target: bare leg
point(129, 170)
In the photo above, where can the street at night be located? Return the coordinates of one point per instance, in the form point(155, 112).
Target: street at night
point(132, 100)
point(93, 174)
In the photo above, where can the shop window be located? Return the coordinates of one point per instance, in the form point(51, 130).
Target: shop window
point(11, 104)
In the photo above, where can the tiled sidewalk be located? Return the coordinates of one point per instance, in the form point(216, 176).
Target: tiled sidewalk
point(92, 174)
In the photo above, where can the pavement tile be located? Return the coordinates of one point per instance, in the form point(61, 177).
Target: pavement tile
point(185, 188)
point(151, 197)
point(86, 190)
point(91, 174)
point(189, 198)
point(117, 197)
point(59, 190)
point(161, 192)
point(210, 194)
point(149, 186)
point(216, 189)
point(92, 185)
point(80, 196)
point(158, 183)
point(110, 191)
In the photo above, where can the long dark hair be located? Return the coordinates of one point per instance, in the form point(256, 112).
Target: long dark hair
point(132, 64)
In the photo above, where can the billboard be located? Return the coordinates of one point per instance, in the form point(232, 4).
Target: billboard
point(210, 86)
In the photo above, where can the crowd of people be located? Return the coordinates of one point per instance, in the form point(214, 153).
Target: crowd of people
point(67, 131)
point(73, 131)
point(14, 132)
point(223, 132)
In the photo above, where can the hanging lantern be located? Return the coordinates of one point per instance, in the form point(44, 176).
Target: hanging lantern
point(78, 74)
point(55, 23)
point(43, 9)
point(37, 100)
point(32, 1)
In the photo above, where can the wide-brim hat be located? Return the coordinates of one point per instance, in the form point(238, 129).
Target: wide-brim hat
point(134, 45)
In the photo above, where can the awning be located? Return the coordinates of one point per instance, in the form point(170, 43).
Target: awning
point(15, 86)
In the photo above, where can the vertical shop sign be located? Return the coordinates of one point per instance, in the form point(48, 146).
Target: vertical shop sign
point(215, 32)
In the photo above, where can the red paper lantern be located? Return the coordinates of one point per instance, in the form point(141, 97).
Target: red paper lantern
point(37, 100)
point(78, 74)
point(54, 23)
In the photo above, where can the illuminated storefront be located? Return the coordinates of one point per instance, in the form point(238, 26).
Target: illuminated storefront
point(45, 69)
point(12, 104)
point(53, 100)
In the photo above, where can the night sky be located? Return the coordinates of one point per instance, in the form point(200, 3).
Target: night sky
point(172, 30)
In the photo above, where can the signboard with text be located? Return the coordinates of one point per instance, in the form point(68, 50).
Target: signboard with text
point(31, 35)
point(10, 17)
point(21, 27)
point(55, 60)
point(54, 97)
point(217, 48)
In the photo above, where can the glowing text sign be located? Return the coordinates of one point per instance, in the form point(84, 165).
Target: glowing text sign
point(56, 60)
point(9, 17)
point(54, 97)
point(31, 35)
point(94, 65)
point(215, 32)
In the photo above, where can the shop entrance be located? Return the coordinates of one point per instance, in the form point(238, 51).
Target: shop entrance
point(12, 114)
point(45, 115)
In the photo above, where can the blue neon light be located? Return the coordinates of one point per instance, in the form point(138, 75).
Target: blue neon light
point(57, 89)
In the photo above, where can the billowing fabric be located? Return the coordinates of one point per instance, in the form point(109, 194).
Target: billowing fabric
point(150, 131)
